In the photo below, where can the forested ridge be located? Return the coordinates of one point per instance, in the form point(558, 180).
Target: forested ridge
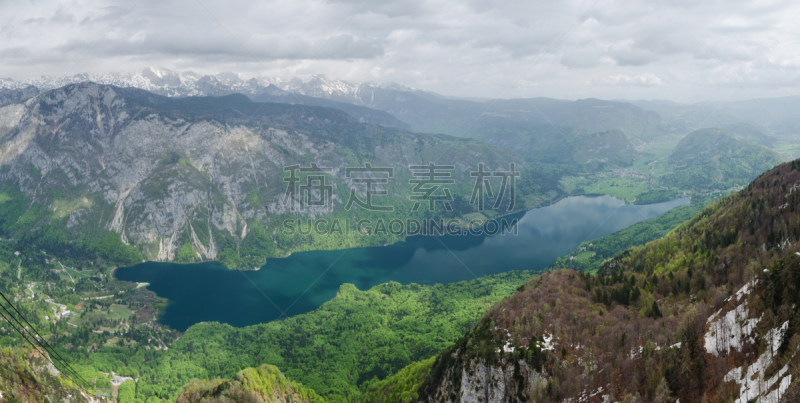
point(652, 300)
point(263, 384)
point(355, 345)
point(707, 313)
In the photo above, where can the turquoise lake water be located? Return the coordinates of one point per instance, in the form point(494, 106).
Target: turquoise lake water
point(302, 282)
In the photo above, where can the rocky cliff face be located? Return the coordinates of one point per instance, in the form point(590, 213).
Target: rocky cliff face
point(165, 172)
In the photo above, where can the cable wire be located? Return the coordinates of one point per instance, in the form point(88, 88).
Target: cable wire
point(22, 334)
point(39, 340)
point(47, 356)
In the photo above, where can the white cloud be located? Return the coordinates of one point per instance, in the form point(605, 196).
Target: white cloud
point(617, 49)
point(645, 80)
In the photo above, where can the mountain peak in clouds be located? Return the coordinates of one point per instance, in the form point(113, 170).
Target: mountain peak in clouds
point(162, 77)
point(230, 78)
point(164, 81)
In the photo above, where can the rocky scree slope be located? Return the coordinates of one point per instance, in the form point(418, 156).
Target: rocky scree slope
point(707, 313)
point(204, 175)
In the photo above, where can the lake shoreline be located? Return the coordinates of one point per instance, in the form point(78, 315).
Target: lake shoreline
point(209, 291)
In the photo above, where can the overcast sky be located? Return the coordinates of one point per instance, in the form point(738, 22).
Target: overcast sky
point(685, 50)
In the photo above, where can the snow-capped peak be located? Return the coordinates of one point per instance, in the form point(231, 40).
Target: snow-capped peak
point(164, 81)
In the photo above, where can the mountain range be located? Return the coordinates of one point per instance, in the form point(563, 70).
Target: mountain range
point(704, 314)
point(109, 176)
point(428, 112)
point(707, 313)
point(206, 173)
point(190, 178)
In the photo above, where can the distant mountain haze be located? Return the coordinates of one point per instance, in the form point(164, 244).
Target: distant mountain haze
point(426, 112)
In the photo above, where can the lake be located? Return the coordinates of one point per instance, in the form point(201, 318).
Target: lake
point(206, 292)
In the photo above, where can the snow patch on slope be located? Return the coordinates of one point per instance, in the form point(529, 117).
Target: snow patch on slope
point(752, 385)
point(730, 331)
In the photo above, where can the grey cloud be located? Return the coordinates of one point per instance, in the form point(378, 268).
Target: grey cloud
point(633, 57)
point(62, 16)
point(644, 80)
point(223, 45)
point(458, 47)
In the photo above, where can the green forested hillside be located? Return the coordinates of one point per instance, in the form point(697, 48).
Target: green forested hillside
point(263, 384)
point(207, 178)
point(350, 342)
point(400, 387)
point(705, 314)
point(751, 133)
point(591, 254)
point(26, 376)
point(714, 159)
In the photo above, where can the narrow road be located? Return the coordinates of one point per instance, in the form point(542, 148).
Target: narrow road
point(65, 271)
point(103, 297)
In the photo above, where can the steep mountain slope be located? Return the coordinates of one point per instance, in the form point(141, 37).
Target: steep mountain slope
point(363, 114)
point(707, 313)
point(27, 376)
point(751, 133)
point(9, 95)
point(713, 158)
point(263, 384)
point(206, 174)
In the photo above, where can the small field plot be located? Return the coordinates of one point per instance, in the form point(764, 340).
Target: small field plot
point(119, 312)
point(76, 274)
point(622, 188)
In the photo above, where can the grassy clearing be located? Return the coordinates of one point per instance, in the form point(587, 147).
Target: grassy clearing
point(76, 274)
point(622, 188)
point(119, 312)
point(63, 208)
point(789, 150)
